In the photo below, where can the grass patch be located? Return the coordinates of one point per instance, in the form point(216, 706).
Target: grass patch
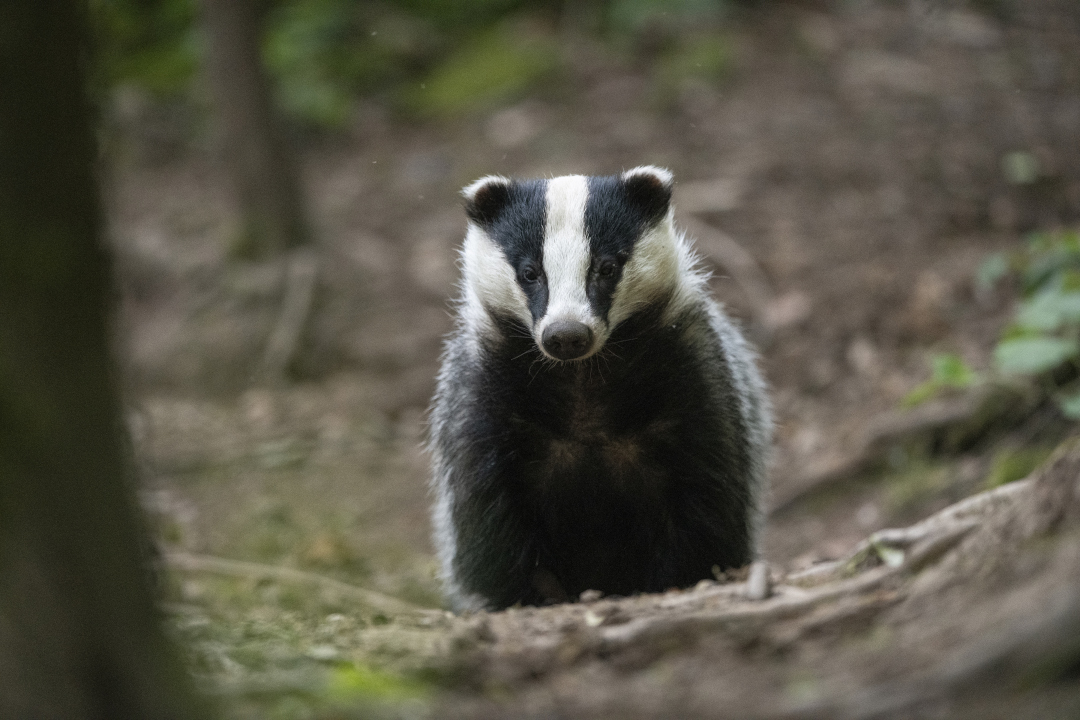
point(1015, 464)
point(493, 68)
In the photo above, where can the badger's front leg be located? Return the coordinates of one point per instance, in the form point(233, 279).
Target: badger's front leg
point(488, 542)
point(709, 527)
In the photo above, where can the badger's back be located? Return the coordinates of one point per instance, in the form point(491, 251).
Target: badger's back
point(636, 467)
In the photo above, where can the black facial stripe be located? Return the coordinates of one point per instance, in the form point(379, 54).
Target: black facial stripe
point(613, 223)
point(518, 230)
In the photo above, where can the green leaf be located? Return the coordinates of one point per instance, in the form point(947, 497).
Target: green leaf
point(1068, 306)
point(1070, 405)
point(1052, 258)
point(1056, 304)
point(1033, 355)
point(950, 370)
point(991, 270)
point(1040, 313)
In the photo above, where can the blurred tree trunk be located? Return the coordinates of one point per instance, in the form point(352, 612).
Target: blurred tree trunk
point(80, 636)
point(262, 170)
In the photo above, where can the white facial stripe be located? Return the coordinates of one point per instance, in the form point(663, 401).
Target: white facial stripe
point(566, 249)
point(491, 278)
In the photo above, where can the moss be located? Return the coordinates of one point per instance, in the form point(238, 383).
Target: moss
point(493, 68)
point(1011, 465)
point(915, 486)
point(351, 681)
point(708, 59)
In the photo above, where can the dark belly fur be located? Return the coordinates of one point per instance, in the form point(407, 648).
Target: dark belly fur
point(627, 472)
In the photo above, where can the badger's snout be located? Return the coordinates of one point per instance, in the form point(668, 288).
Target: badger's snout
point(567, 339)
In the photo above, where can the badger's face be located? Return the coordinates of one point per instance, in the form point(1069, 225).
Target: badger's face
point(571, 257)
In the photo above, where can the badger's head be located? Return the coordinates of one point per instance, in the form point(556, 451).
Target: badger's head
point(572, 257)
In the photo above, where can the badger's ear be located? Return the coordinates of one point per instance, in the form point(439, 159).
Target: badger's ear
point(486, 198)
point(649, 189)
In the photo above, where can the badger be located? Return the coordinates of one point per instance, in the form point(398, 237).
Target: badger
point(598, 422)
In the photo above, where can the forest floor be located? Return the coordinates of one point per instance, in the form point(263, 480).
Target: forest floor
point(844, 182)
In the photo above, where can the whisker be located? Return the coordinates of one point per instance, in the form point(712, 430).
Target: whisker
point(527, 351)
point(610, 351)
point(607, 359)
point(596, 362)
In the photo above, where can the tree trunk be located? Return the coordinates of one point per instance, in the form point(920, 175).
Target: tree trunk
point(80, 636)
point(260, 166)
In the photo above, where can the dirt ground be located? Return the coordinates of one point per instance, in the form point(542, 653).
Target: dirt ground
point(844, 183)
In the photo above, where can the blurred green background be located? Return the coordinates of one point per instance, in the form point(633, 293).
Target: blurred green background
point(425, 58)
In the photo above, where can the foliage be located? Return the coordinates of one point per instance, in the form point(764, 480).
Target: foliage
point(1042, 341)
point(302, 51)
point(430, 58)
point(350, 681)
point(949, 372)
point(1010, 465)
point(150, 44)
point(486, 70)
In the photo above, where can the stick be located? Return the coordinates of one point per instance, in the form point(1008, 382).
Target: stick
point(301, 271)
point(244, 569)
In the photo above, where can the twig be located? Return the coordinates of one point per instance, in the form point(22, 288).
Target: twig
point(244, 569)
point(301, 271)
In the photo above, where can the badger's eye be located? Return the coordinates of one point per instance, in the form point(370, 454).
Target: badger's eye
point(606, 268)
point(529, 274)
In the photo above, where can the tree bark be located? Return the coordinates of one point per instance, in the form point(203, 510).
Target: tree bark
point(261, 169)
point(80, 636)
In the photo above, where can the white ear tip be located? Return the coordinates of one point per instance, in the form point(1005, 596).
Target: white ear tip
point(469, 191)
point(662, 174)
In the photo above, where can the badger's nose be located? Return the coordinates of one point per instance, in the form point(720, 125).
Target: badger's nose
point(567, 339)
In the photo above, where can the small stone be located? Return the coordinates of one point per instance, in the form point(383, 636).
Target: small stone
point(590, 596)
point(759, 584)
point(323, 653)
